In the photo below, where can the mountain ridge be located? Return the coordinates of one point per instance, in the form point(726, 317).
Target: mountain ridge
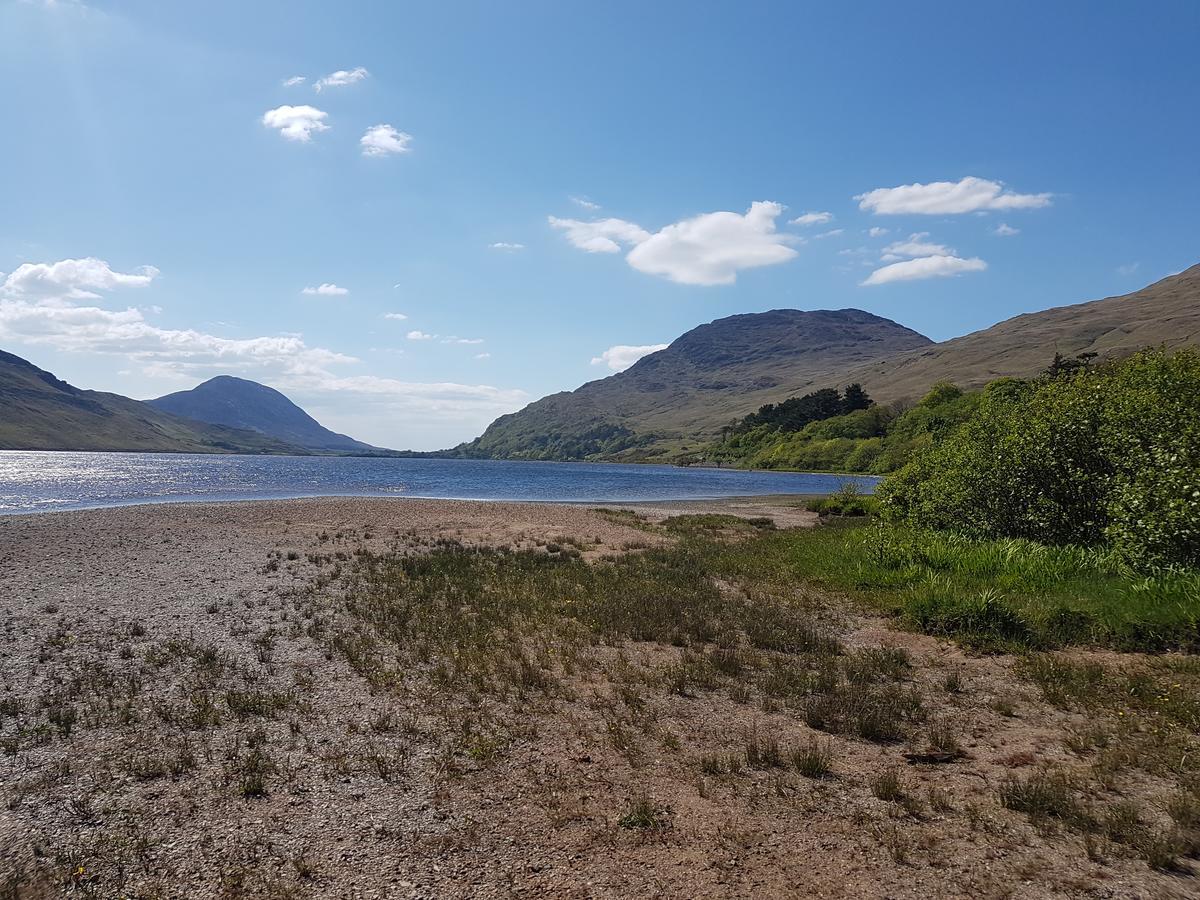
point(655, 419)
point(240, 403)
point(695, 385)
point(39, 411)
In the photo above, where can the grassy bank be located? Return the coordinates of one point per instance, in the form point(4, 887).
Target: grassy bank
point(999, 594)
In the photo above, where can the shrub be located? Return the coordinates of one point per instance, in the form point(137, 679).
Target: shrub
point(1107, 456)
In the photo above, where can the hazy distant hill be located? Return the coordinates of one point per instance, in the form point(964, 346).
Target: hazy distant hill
point(1167, 312)
point(238, 403)
point(41, 412)
point(704, 379)
point(730, 367)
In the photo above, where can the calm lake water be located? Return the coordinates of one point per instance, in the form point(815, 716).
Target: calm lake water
point(38, 481)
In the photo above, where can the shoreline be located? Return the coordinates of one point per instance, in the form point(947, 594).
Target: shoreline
point(691, 504)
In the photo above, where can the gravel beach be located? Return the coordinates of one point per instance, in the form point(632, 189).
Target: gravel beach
point(180, 720)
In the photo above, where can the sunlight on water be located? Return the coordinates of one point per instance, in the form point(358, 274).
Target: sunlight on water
point(38, 481)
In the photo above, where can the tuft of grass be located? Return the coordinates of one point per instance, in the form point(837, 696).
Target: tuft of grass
point(814, 759)
point(1046, 795)
point(641, 813)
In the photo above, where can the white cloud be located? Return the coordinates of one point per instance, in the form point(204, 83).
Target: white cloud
point(296, 123)
point(833, 232)
point(506, 245)
point(878, 232)
point(947, 198)
point(1004, 230)
point(483, 356)
point(383, 140)
point(457, 340)
point(622, 356)
point(600, 236)
point(398, 317)
point(326, 290)
point(294, 80)
point(72, 279)
point(707, 249)
point(712, 248)
point(924, 267)
point(38, 305)
point(1128, 268)
point(417, 335)
point(916, 245)
point(584, 202)
point(812, 218)
point(341, 78)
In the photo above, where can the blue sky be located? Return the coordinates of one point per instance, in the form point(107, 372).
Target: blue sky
point(534, 184)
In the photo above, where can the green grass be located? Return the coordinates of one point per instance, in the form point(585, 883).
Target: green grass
point(1000, 595)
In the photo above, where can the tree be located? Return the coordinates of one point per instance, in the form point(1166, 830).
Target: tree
point(855, 398)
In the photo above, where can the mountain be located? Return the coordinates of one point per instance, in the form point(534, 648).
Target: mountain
point(680, 396)
point(41, 412)
point(238, 403)
point(705, 378)
point(1165, 313)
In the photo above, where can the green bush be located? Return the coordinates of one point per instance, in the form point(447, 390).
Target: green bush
point(1108, 456)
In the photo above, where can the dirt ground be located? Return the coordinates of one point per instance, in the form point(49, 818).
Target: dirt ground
point(171, 728)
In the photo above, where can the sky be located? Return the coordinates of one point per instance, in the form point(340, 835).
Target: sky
point(414, 217)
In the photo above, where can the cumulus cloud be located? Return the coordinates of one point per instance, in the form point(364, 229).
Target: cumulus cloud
point(833, 232)
point(40, 304)
point(384, 140)
point(947, 198)
point(72, 279)
point(916, 245)
point(506, 245)
point(878, 232)
point(418, 335)
point(457, 340)
point(705, 250)
point(917, 258)
point(1003, 230)
point(925, 267)
point(600, 236)
point(341, 78)
point(584, 202)
point(622, 356)
point(294, 80)
point(812, 218)
point(326, 290)
point(712, 248)
point(296, 123)
point(396, 316)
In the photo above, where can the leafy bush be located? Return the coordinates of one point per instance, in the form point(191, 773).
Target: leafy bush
point(1106, 456)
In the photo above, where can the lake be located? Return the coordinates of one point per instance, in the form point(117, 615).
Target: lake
point(35, 481)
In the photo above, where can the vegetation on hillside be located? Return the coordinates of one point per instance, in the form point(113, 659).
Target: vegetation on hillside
point(849, 435)
point(1105, 456)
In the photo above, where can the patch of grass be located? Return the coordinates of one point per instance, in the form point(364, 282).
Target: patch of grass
point(997, 595)
point(642, 813)
point(1046, 795)
point(813, 759)
point(763, 751)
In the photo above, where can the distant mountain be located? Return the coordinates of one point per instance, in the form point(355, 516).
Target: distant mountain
point(672, 400)
point(705, 378)
point(238, 403)
point(41, 412)
point(1165, 313)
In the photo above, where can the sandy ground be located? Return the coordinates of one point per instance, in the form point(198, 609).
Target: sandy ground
point(133, 617)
